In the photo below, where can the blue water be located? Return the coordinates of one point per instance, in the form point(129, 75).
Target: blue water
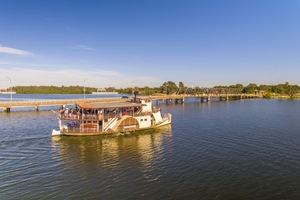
point(41, 97)
point(28, 97)
point(243, 149)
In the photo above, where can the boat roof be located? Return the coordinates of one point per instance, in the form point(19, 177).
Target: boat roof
point(101, 105)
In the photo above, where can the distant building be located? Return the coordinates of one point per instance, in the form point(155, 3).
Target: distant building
point(103, 91)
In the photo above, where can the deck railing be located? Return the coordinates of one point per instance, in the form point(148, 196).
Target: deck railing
point(81, 130)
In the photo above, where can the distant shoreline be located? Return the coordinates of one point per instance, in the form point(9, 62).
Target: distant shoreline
point(7, 92)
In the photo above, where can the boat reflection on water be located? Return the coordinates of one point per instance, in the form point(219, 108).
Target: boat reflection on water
point(108, 151)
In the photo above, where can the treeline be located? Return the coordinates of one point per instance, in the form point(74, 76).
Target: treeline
point(168, 87)
point(58, 90)
point(267, 90)
point(53, 90)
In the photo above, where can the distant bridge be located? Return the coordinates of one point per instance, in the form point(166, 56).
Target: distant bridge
point(7, 105)
point(205, 97)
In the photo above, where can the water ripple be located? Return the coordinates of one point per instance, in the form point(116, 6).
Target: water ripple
point(221, 150)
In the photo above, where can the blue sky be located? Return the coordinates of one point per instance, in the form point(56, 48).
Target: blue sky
point(147, 42)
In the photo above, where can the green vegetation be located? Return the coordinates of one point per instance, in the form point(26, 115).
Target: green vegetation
point(267, 91)
point(268, 96)
point(52, 90)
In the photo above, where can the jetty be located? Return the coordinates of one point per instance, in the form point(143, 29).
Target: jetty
point(6, 106)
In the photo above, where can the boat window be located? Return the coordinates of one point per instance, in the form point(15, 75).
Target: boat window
point(141, 120)
point(145, 119)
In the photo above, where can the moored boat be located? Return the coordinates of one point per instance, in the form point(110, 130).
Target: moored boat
point(108, 118)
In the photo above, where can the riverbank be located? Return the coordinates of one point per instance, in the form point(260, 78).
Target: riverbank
point(284, 97)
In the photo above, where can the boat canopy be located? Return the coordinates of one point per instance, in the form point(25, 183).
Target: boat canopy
point(110, 105)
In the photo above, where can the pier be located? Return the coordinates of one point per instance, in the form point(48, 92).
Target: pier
point(166, 99)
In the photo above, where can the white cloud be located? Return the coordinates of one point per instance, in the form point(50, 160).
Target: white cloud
point(9, 50)
point(22, 64)
point(67, 77)
point(82, 47)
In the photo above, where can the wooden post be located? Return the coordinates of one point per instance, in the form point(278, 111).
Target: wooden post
point(36, 108)
point(208, 98)
point(6, 109)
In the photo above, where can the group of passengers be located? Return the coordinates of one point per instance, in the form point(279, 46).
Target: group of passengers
point(67, 113)
point(99, 113)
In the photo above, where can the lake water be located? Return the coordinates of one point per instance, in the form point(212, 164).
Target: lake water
point(243, 149)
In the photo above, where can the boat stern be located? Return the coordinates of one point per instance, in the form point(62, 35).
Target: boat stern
point(56, 133)
point(166, 120)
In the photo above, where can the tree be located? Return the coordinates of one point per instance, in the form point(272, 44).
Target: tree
point(251, 88)
point(280, 89)
point(265, 88)
point(181, 88)
point(169, 87)
point(147, 91)
point(239, 87)
point(291, 90)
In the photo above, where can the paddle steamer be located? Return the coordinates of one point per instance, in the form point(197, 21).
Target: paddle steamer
point(108, 118)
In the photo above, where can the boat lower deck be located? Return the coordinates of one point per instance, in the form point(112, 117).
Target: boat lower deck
point(91, 133)
point(85, 133)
